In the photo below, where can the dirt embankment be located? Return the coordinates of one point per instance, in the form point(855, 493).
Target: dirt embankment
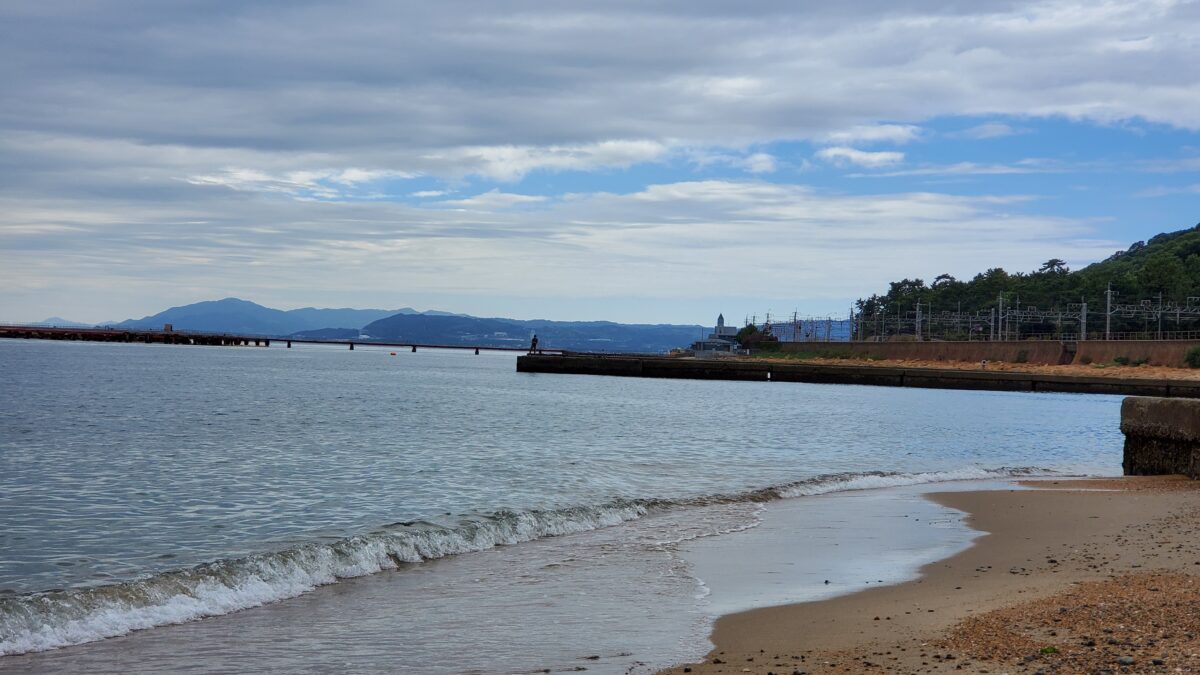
point(1076, 370)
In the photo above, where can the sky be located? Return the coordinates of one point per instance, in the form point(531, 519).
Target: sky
point(653, 162)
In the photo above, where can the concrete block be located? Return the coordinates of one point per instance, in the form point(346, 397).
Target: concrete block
point(1162, 436)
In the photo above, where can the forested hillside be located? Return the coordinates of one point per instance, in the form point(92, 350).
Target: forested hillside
point(1168, 264)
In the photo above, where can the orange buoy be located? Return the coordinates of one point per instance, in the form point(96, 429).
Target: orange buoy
point(393, 353)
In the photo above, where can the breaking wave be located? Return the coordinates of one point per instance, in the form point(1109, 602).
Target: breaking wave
point(52, 619)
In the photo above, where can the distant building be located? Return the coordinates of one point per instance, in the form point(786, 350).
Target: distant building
point(722, 339)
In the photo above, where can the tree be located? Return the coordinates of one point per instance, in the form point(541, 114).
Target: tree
point(943, 280)
point(1054, 266)
point(905, 290)
point(746, 331)
point(1162, 273)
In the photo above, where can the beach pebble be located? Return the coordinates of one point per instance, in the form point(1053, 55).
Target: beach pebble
point(1125, 660)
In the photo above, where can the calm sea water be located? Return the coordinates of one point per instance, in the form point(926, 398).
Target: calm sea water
point(147, 485)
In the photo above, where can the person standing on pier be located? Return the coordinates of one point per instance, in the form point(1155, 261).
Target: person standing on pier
point(533, 344)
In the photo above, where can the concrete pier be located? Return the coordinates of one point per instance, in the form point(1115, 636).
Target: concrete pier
point(884, 376)
point(1162, 436)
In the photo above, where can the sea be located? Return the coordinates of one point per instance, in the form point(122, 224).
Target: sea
point(315, 509)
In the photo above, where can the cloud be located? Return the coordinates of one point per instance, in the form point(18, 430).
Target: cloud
point(513, 87)
point(492, 199)
point(987, 131)
point(843, 156)
point(1178, 165)
point(876, 133)
point(668, 237)
point(510, 163)
point(1164, 191)
point(755, 163)
point(181, 142)
point(1024, 166)
point(320, 184)
point(760, 162)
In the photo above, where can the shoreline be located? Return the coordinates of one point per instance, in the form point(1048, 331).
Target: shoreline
point(1060, 544)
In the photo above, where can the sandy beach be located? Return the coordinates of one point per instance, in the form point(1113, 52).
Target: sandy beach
point(1076, 576)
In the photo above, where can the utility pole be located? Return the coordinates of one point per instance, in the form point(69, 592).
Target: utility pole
point(1108, 312)
point(1000, 316)
point(1017, 317)
point(1158, 313)
point(917, 327)
point(1082, 320)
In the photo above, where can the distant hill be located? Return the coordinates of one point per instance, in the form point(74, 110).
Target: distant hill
point(59, 322)
point(233, 315)
point(602, 336)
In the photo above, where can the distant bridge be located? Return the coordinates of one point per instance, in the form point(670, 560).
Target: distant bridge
point(185, 337)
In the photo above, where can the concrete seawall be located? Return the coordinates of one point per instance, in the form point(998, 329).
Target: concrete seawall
point(1162, 436)
point(700, 369)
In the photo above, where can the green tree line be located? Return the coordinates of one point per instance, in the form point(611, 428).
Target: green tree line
point(1168, 264)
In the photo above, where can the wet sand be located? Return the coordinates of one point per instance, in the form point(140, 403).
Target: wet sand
point(1076, 577)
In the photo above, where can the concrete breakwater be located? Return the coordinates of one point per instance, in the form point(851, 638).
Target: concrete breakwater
point(885, 376)
point(1162, 436)
point(120, 335)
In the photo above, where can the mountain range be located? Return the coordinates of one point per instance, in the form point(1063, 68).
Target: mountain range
point(233, 315)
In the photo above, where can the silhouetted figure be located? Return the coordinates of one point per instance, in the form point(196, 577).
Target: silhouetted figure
point(533, 345)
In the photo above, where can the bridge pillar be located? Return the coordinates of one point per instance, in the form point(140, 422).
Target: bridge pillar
point(351, 346)
point(289, 344)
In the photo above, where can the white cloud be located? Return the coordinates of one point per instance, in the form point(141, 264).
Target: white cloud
point(510, 163)
point(320, 184)
point(1165, 191)
point(875, 133)
point(1024, 166)
point(988, 130)
point(492, 199)
point(760, 162)
point(429, 193)
point(755, 163)
point(843, 156)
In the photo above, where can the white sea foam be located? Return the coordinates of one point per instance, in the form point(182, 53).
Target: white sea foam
point(876, 480)
point(49, 620)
